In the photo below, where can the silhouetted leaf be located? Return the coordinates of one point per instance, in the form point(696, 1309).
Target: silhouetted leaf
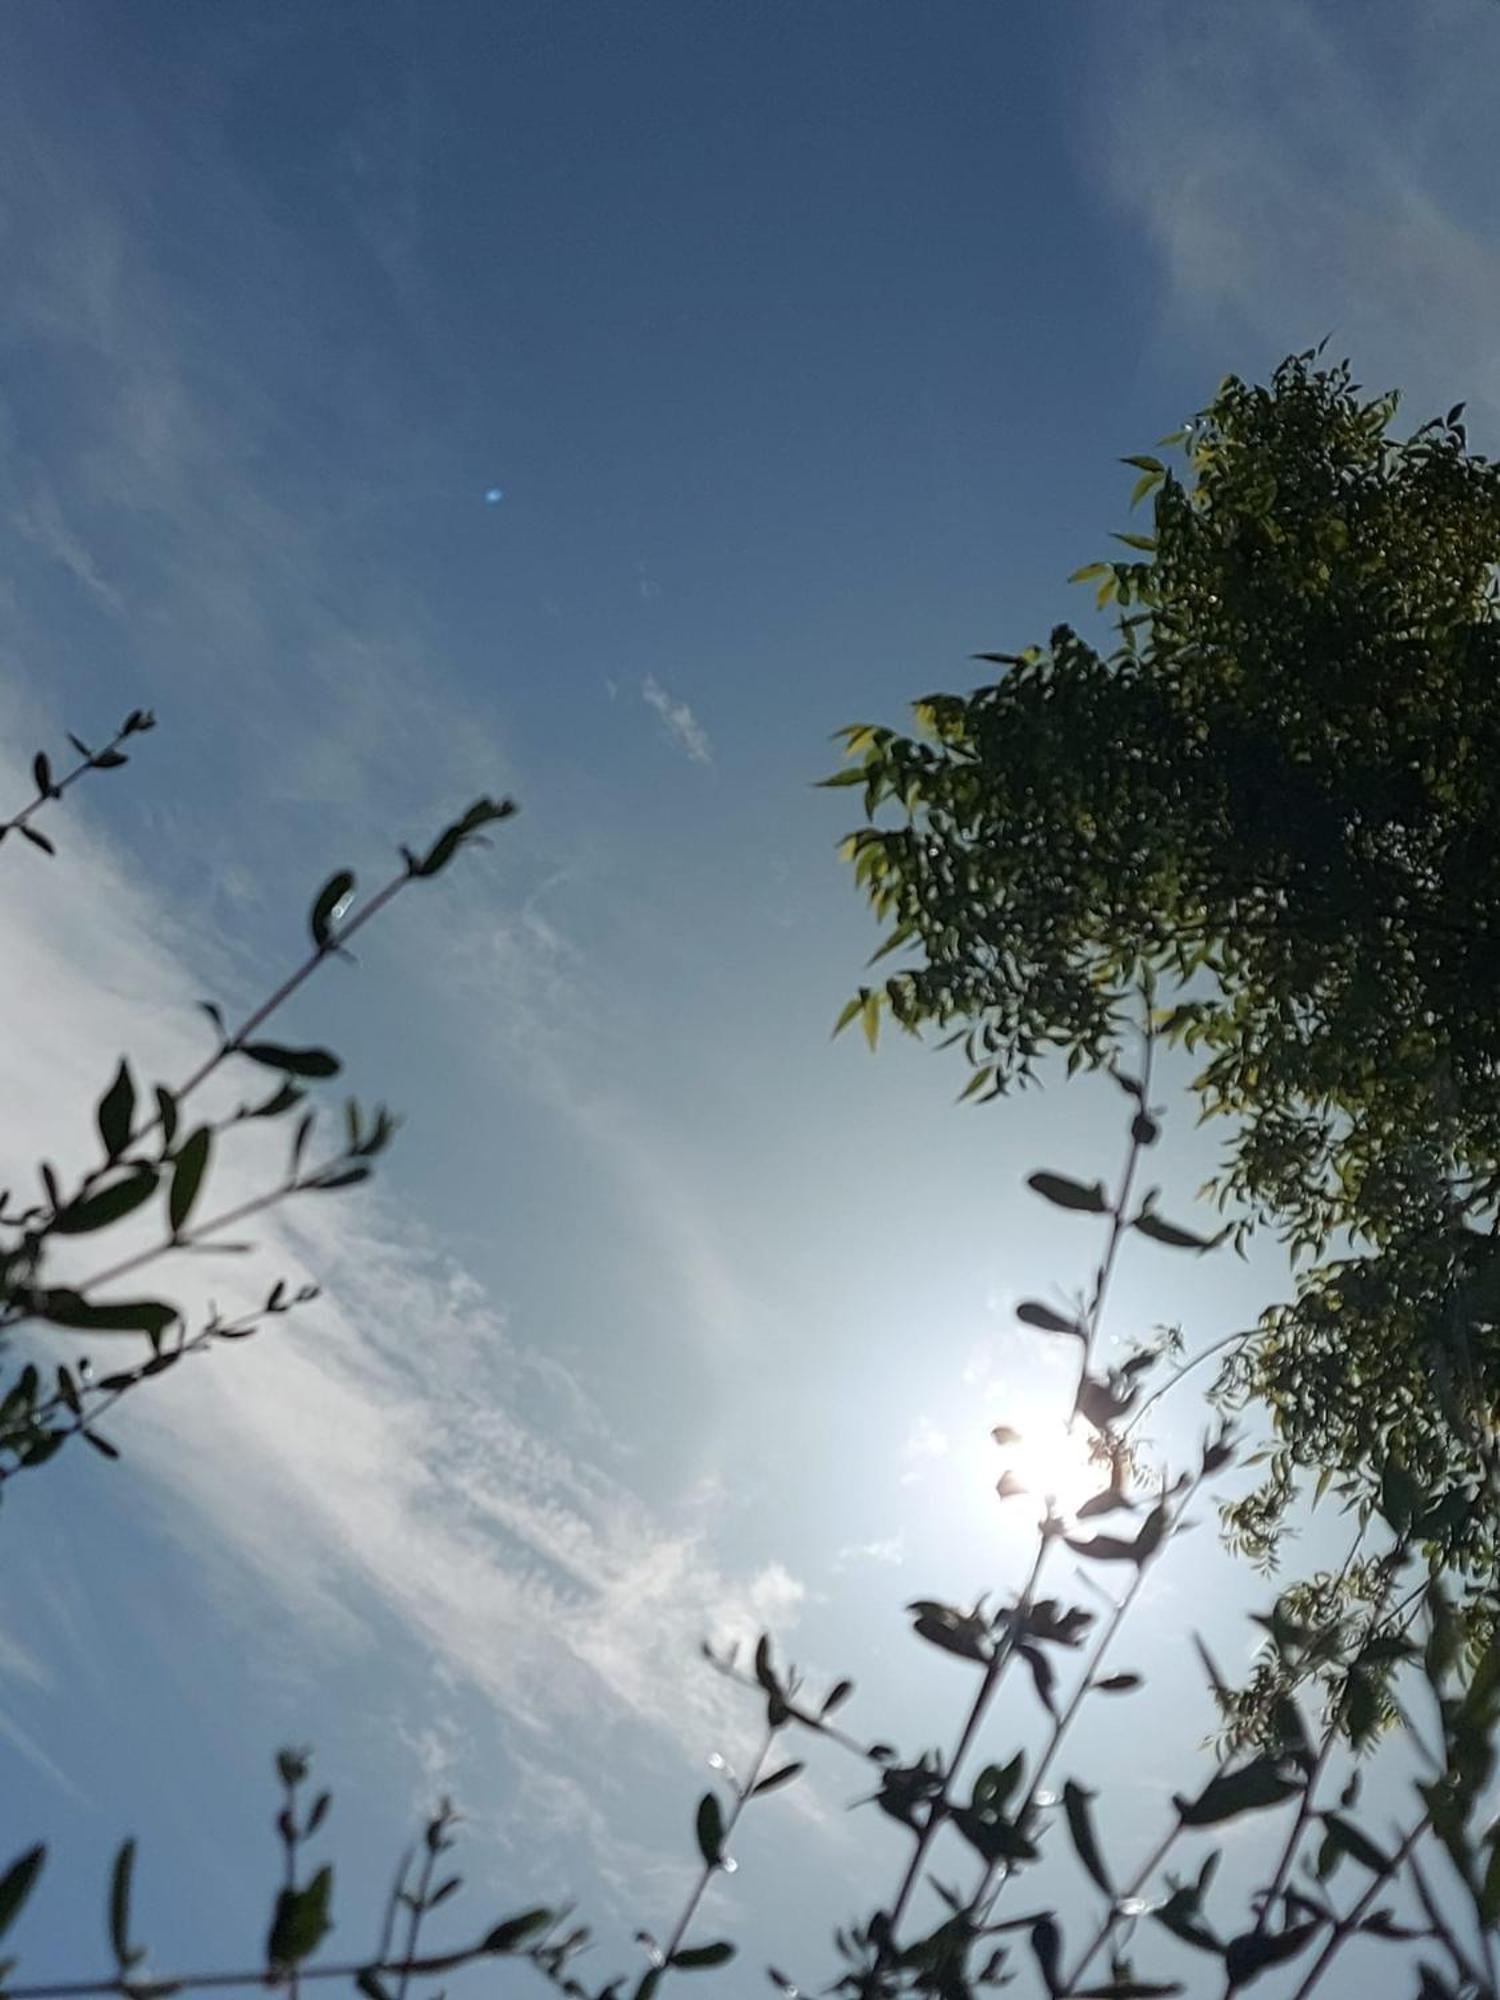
point(700, 1957)
point(188, 1170)
point(301, 1921)
point(119, 1907)
point(775, 1779)
point(1253, 1953)
point(37, 839)
point(1161, 1231)
point(709, 1826)
point(1046, 1942)
point(1076, 1805)
point(116, 1113)
point(296, 1062)
point(110, 1204)
point(326, 906)
point(41, 771)
point(513, 1933)
point(1063, 1192)
point(1032, 1312)
point(17, 1883)
point(1252, 1788)
point(1350, 1840)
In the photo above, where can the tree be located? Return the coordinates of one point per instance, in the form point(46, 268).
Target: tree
point(1274, 800)
point(981, 1814)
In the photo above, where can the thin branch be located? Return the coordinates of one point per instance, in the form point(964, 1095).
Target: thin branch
point(108, 759)
point(1351, 1920)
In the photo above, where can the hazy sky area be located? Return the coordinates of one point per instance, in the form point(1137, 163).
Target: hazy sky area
point(800, 342)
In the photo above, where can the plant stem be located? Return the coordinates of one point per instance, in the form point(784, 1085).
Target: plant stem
point(1350, 1922)
point(711, 1868)
point(993, 1674)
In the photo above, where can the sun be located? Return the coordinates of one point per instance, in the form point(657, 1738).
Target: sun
point(1048, 1459)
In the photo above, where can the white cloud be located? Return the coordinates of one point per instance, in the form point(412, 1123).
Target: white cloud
point(889, 1551)
point(678, 720)
point(1291, 194)
point(392, 1451)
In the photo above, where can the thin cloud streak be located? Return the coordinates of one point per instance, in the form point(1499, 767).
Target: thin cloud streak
point(1288, 198)
point(678, 720)
point(394, 1451)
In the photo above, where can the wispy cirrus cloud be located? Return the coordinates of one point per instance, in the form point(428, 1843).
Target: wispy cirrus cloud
point(1291, 192)
point(394, 1453)
point(678, 720)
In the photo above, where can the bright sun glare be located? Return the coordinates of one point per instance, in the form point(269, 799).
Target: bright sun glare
point(1042, 1455)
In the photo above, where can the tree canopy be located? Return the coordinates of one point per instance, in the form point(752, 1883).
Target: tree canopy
point(1273, 803)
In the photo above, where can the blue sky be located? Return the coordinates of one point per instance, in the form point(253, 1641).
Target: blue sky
point(802, 341)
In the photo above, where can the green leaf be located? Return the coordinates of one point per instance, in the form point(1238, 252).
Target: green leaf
point(17, 1883)
point(776, 1779)
point(111, 1204)
point(116, 1113)
point(1064, 1192)
point(850, 1013)
point(1076, 1804)
point(699, 1957)
point(188, 1170)
point(296, 1062)
point(869, 1015)
point(1090, 572)
point(301, 1921)
point(1146, 464)
point(1143, 486)
point(334, 893)
point(709, 1826)
point(1251, 1789)
point(511, 1934)
point(1144, 542)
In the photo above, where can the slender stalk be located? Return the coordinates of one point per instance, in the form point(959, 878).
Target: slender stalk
point(1165, 1388)
point(1064, 1722)
point(197, 1239)
point(706, 1874)
point(1119, 1220)
point(417, 1903)
point(1353, 1917)
point(294, 980)
point(80, 1989)
point(132, 726)
point(1004, 1653)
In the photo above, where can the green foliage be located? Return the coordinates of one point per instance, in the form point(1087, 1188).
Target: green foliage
point(1276, 800)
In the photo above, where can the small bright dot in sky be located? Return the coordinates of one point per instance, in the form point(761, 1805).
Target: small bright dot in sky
point(493, 495)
